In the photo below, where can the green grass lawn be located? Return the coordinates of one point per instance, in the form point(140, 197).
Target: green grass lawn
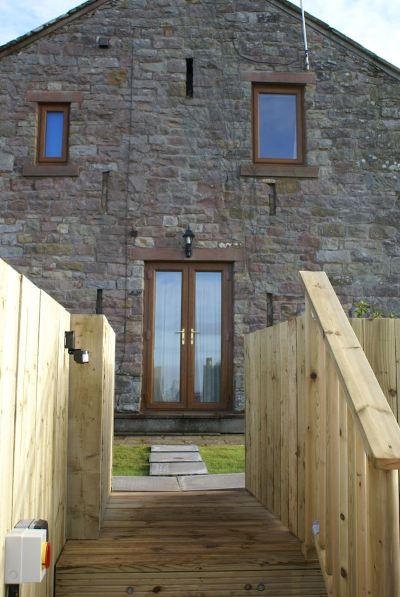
point(132, 461)
point(223, 459)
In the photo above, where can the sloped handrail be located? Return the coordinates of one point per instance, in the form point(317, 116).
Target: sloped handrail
point(371, 411)
point(352, 453)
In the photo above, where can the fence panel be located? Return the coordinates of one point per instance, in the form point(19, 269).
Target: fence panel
point(35, 383)
point(33, 403)
point(277, 385)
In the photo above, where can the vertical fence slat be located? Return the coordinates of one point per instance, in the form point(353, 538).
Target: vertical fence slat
point(61, 436)
point(301, 426)
point(25, 465)
point(332, 503)
point(270, 424)
point(344, 493)
point(322, 440)
point(250, 406)
point(276, 419)
point(312, 414)
point(10, 283)
point(46, 414)
point(361, 519)
point(263, 415)
point(284, 432)
point(292, 430)
point(351, 504)
point(397, 357)
point(383, 533)
point(258, 443)
point(334, 476)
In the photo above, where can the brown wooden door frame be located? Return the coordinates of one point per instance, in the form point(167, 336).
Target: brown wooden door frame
point(189, 270)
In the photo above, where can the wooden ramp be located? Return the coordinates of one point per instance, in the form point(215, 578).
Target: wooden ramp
point(193, 544)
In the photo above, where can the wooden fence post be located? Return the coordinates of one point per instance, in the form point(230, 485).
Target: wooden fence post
point(90, 427)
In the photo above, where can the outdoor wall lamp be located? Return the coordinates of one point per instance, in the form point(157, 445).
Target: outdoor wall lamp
point(188, 237)
point(80, 356)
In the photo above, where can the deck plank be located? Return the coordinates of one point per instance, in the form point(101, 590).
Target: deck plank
point(194, 544)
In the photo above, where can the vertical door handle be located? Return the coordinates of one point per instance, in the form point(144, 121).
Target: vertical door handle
point(192, 333)
point(182, 333)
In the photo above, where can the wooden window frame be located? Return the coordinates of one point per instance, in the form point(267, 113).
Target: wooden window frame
point(44, 109)
point(287, 89)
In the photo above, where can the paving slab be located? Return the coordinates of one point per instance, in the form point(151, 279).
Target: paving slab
point(175, 457)
point(208, 482)
point(178, 468)
point(145, 484)
point(175, 448)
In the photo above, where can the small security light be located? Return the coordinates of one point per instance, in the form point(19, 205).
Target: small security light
point(80, 356)
point(188, 237)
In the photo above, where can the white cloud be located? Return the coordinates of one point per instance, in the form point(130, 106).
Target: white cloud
point(374, 24)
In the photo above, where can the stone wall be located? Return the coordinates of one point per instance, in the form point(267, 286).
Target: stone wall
point(153, 161)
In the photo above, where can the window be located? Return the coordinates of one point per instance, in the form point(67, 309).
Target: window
point(278, 131)
point(53, 133)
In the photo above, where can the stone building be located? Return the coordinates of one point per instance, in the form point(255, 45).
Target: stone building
point(124, 122)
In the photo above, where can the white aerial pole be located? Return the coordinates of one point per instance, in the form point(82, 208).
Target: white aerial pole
point(303, 21)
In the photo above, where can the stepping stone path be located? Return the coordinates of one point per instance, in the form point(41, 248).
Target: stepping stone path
point(176, 460)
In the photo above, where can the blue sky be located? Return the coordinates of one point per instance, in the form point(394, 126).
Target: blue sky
point(374, 23)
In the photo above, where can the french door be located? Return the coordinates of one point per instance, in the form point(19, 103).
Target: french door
point(188, 335)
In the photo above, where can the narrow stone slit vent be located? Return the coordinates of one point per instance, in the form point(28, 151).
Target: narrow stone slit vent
point(189, 77)
point(272, 199)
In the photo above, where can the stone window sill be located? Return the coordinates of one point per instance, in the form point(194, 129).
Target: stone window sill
point(278, 170)
point(50, 170)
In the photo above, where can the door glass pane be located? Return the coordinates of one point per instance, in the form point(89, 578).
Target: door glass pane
point(167, 342)
point(277, 126)
point(54, 134)
point(208, 337)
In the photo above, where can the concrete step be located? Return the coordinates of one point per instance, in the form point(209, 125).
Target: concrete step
point(176, 448)
point(211, 482)
point(175, 457)
point(181, 483)
point(145, 484)
point(178, 468)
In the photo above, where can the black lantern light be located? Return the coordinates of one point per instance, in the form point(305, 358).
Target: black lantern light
point(188, 236)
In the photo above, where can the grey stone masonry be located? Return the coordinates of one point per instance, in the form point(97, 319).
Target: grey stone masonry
point(151, 161)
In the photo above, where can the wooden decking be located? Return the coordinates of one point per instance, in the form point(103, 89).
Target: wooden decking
point(198, 544)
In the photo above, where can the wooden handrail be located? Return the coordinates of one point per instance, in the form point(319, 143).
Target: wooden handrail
point(372, 414)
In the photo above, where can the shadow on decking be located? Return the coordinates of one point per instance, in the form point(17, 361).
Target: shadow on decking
point(196, 544)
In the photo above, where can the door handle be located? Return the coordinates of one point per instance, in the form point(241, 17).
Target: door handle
point(192, 333)
point(182, 333)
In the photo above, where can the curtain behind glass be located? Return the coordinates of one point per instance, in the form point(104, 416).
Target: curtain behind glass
point(167, 342)
point(208, 337)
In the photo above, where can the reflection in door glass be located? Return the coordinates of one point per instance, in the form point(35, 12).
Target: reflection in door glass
point(167, 340)
point(208, 337)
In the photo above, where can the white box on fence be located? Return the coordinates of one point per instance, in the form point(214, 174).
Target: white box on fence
point(23, 556)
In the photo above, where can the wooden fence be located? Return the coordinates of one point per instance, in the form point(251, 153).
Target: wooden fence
point(302, 468)
point(34, 395)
